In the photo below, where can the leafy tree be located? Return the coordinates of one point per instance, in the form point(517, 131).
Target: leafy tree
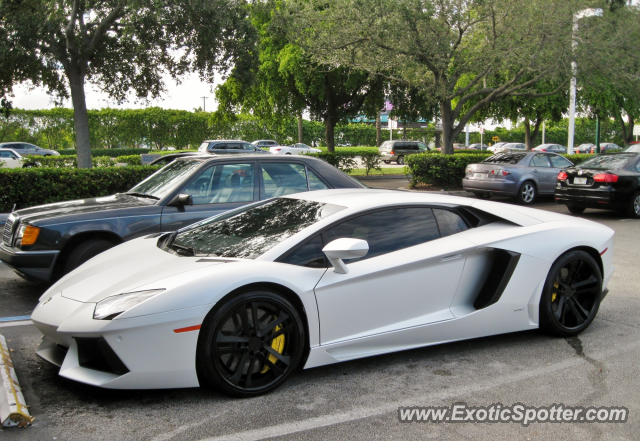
point(285, 81)
point(453, 51)
point(117, 45)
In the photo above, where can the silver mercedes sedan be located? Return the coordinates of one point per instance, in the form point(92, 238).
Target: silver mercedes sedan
point(522, 175)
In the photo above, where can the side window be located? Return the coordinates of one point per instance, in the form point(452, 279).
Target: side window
point(222, 184)
point(388, 230)
point(449, 222)
point(217, 146)
point(234, 146)
point(539, 161)
point(248, 146)
point(28, 147)
point(559, 162)
point(281, 178)
point(422, 147)
point(309, 255)
point(315, 183)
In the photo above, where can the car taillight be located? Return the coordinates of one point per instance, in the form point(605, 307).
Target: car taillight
point(543, 150)
point(392, 152)
point(276, 150)
point(499, 172)
point(562, 176)
point(605, 177)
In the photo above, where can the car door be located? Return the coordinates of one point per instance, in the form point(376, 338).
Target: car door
point(408, 278)
point(215, 189)
point(9, 159)
point(28, 149)
point(543, 173)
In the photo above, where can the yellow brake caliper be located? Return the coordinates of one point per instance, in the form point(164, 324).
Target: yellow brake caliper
point(278, 345)
point(554, 295)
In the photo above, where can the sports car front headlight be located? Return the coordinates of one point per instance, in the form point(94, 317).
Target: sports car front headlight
point(113, 306)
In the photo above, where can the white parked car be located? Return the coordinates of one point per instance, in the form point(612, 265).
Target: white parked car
point(241, 300)
point(10, 159)
point(295, 149)
point(507, 146)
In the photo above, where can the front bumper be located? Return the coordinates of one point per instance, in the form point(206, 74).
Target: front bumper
point(135, 353)
point(30, 264)
point(492, 186)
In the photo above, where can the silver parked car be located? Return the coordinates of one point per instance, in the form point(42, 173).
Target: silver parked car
point(26, 149)
point(555, 148)
point(522, 175)
point(228, 147)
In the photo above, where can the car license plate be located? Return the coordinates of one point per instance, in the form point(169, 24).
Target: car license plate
point(480, 175)
point(580, 181)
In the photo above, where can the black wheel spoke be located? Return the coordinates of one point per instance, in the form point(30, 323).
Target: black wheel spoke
point(221, 338)
point(283, 358)
point(559, 314)
point(284, 330)
point(578, 311)
point(235, 378)
point(247, 381)
point(586, 285)
point(268, 328)
point(268, 362)
point(254, 314)
point(244, 318)
point(222, 351)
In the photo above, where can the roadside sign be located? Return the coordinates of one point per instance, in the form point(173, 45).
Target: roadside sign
point(495, 139)
point(636, 129)
point(146, 159)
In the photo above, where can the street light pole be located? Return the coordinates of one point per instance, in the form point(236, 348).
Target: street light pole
point(591, 12)
point(204, 103)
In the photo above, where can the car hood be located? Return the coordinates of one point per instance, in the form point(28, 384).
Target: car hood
point(83, 206)
point(122, 269)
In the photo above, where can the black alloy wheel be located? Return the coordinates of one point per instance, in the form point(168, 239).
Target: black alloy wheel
point(571, 295)
point(251, 344)
point(576, 210)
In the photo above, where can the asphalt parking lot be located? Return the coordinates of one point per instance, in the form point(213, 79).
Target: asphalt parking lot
point(359, 399)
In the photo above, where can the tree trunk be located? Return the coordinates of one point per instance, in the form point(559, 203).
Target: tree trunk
point(627, 131)
point(378, 130)
point(329, 126)
point(80, 118)
point(448, 135)
point(527, 134)
point(300, 127)
point(404, 130)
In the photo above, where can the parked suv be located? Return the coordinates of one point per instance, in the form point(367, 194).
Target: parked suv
point(226, 147)
point(397, 150)
point(25, 149)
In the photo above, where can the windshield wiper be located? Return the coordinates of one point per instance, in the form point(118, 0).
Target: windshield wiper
point(142, 195)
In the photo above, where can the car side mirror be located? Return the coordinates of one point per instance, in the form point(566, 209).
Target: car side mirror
point(180, 200)
point(344, 249)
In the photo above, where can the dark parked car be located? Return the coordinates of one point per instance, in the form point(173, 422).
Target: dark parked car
point(48, 241)
point(555, 148)
point(26, 149)
point(584, 148)
point(227, 147)
point(522, 175)
point(606, 147)
point(168, 159)
point(478, 146)
point(398, 150)
point(609, 181)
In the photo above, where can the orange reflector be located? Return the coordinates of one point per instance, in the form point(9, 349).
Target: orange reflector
point(605, 250)
point(30, 235)
point(188, 329)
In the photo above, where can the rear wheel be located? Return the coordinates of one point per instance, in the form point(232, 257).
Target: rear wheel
point(571, 295)
point(387, 162)
point(84, 251)
point(251, 344)
point(400, 160)
point(576, 210)
point(634, 206)
point(527, 193)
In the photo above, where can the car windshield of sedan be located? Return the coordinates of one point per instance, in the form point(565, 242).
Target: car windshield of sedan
point(606, 162)
point(249, 232)
point(633, 148)
point(166, 179)
point(505, 158)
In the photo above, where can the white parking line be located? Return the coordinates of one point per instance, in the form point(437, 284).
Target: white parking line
point(360, 413)
point(17, 323)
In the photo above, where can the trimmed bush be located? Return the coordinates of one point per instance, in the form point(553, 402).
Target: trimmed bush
point(27, 187)
point(345, 161)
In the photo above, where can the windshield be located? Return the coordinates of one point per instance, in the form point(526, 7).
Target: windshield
point(633, 148)
point(250, 232)
point(606, 162)
point(505, 158)
point(165, 180)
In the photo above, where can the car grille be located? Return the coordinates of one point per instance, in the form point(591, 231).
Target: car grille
point(8, 231)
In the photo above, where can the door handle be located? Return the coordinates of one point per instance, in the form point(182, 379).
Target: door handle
point(451, 257)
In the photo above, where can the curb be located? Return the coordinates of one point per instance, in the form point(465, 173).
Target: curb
point(448, 193)
point(379, 177)
point(14, 411)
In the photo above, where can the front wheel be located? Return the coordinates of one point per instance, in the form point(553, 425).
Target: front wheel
point(571, 295)
point(576, 210)
point(634, 206)
point(250, 345)
point(84, 251)
point(400, 160)
point(527, 193)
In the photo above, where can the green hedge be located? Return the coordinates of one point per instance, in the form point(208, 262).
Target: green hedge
point(27, 187)
point(448, 170)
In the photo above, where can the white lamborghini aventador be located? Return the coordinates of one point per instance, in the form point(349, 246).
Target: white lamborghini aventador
point(241, 300)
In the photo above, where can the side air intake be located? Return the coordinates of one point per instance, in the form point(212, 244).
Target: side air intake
point(502, 268)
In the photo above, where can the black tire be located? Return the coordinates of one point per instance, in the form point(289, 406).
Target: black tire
point(576, 210)
point(571, 295)
point(634, 207)
point(287, 153)
point(527, 193)
point(400, 160)
point(228, 339)
point(482, 195)
point(85, 251)
point(387, 162)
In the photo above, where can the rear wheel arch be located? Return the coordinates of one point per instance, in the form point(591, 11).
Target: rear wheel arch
point(593, 253)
